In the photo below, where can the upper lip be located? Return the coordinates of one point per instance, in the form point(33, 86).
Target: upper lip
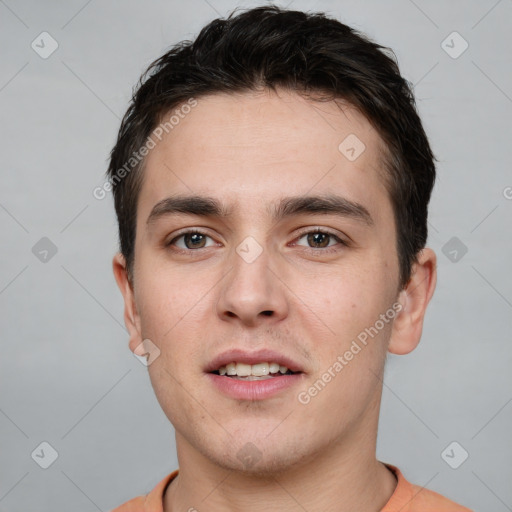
point(255, 357)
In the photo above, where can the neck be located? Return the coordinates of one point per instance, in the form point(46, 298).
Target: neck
point(341, 478)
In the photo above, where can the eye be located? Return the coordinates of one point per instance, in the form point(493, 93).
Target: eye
point(320, 239)
point(191, 239)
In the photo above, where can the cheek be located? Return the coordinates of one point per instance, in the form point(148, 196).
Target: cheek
point(168, 311)
point(346, 299)
point(347, 306)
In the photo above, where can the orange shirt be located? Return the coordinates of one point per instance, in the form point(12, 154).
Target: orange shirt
point(406, 498)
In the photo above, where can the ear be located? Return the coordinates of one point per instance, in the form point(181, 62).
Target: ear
point(131, 316)
point(414, 298)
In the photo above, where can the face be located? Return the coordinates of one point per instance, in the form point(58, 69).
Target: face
point(256, 274)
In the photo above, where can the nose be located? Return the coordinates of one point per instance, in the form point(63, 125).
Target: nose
point(252, 291)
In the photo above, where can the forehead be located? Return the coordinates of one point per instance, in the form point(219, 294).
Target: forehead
point(249, 149)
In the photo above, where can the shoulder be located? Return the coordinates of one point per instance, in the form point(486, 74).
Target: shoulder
point(413, 498)
point(151, 502)
point(133, 505)
point(430, 501)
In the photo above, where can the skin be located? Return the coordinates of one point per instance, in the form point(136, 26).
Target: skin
point(248, 151)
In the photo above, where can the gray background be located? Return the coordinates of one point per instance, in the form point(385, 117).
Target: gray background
point(67, 376)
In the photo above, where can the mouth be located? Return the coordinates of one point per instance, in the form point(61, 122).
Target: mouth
point(250, 372)
point(260, 363)
point(253, 376)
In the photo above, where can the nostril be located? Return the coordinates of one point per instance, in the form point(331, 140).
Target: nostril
point(267, 313)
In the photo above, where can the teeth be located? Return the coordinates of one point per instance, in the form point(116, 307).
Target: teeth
point(255, 370)
point(259, 369)
point(243, 370)
point(274, 367)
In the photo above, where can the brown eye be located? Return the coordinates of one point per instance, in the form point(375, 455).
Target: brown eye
point(318, 239)
point(194, 240)
point(320, 242)
point(191, 240)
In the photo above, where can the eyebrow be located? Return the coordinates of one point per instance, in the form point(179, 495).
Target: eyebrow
point(286, 207)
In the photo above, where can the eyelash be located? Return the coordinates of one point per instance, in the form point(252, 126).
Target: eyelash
point(325, 250)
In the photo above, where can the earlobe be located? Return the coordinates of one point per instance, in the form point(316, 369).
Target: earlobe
point(131, 317)
point(414, 298)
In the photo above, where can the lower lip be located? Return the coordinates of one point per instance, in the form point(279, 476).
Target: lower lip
point(253, 389)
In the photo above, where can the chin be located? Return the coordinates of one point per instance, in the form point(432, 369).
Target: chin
point(263, 468)
point(261, 458)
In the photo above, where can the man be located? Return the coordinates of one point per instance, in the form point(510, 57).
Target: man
point(271, 181)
